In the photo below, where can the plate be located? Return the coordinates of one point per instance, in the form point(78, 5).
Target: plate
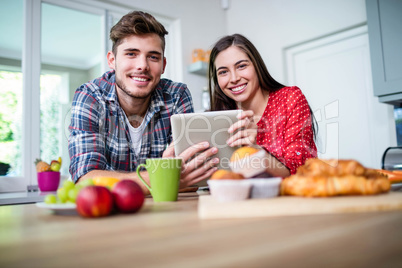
point(60, 209)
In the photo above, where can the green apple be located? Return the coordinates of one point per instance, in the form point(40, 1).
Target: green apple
point(55, 166)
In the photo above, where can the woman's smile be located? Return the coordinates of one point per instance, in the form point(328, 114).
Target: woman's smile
point(238, 89)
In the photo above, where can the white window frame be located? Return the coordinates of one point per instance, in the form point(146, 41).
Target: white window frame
point(30, 100)
point(31, 70)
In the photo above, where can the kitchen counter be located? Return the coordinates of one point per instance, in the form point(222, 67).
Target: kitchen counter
point(171, 235)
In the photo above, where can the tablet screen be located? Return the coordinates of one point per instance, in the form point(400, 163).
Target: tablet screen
point(190, 129)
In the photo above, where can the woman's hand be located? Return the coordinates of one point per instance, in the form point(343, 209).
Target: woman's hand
point(246, 130)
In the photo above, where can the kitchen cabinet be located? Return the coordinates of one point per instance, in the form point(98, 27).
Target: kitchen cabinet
point(384, 20)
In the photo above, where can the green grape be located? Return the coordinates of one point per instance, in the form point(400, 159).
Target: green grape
point(68, 185)
point(50, 199)
point(84, 183)
point(62, 194)
point(79, 187)
point(72, 194)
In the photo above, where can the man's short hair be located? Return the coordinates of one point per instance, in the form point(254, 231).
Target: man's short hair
point(136, 23)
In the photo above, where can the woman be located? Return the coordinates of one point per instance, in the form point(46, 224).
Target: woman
point(275, 117)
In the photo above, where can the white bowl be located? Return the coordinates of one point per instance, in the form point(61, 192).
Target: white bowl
point(229, 190)
point(265, 187)
point(252, 165)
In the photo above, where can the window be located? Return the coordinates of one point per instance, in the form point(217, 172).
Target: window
point(70, 56)
point(51, 118)
point(52, 47)
point(11, 93)
point(10, 122)
point(11, 129)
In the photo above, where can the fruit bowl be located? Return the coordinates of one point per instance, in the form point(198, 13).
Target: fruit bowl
point(48, 181)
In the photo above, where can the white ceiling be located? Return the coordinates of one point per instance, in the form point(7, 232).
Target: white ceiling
point(69, 37)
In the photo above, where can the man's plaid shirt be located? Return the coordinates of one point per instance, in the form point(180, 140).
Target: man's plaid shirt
point(99, 136)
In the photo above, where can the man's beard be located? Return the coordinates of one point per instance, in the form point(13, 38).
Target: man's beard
point(123, 88)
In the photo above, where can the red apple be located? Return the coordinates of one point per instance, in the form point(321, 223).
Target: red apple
point(94, 201)
point(128, 196)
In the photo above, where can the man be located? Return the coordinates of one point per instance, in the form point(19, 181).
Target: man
point(123, 117)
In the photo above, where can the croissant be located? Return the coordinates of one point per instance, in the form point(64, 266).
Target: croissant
point(332, 167)
point(320, 178)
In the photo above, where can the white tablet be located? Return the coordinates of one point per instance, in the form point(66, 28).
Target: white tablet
point(190, 129)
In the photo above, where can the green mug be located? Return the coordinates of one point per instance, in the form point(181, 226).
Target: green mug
point(164, 177)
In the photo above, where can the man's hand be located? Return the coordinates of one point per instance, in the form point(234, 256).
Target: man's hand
point(169, 152)
point(200, 167)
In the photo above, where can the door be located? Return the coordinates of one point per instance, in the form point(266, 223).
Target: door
point(335, 75)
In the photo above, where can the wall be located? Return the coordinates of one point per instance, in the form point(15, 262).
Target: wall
point(275, 24)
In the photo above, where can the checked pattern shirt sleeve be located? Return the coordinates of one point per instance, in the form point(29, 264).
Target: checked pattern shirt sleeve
point(87, 141)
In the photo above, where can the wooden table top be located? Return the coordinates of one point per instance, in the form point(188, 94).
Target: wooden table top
point(172, 235)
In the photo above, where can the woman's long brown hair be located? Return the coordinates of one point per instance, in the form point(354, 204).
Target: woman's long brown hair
point(219, 101)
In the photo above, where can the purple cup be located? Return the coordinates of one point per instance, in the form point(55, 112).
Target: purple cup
point(48, 181)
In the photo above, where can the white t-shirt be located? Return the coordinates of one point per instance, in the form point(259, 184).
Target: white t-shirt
point(136, 134)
